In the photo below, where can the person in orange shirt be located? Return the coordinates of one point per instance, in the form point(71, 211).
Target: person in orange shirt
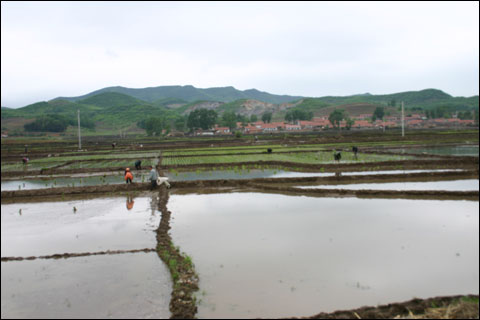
point(128, 176)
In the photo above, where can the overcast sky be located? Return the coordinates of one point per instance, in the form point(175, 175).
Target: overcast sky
point(51, 49)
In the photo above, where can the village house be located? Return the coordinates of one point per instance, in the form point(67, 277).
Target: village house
point(293, 127)
point(222, 130)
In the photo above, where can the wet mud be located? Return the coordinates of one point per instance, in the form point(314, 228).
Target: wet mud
point(75, 255)
point(182, 302)
point(407, 310)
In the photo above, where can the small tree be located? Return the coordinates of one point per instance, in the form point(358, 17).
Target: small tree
point(379, 113)
point(267, 117)
point(229, 119)
point(350, 123)
point(253, 118)
point(336, 117)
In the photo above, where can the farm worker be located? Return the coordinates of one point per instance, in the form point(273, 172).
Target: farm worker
point(128, 175)
point(138, 165)
point(153, 176)
point(25, 160)
point(337, 155)
point(355, 151)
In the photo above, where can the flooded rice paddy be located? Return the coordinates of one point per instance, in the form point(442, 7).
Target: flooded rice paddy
point(110, 286)
point(455, 185)
point(265, 255)
point(32, 182)
point(46, 228)
point(80, 181)
point(129, 285)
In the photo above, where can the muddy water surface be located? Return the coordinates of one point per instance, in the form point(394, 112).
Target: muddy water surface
point(28, 184)
point(111, 286)
point(264, 255)
point(455, 185)
point(46, 228)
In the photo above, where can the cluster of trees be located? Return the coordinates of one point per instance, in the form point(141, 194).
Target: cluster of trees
point(201, 119)
point(379, 113)
point(298, 114)
point(205, 119)
point(438, 112)
point(57, 123)
point(465, 115)
point(337, 116)
point(230, 119)
point(267, 117)
point(154, 125)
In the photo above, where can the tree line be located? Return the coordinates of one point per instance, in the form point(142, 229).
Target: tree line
point(57, 123)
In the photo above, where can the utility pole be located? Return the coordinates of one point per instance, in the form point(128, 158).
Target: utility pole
point(79, 136)
point(383, 118)
point(403, 121)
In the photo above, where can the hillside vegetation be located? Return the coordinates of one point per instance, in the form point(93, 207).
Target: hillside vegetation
point(114, 110)
point(191, 94)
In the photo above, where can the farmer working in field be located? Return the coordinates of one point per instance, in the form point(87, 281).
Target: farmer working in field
point(153, 177)
point(337, 156)
point(355, 151)
point(128, 176)
point(138, 165)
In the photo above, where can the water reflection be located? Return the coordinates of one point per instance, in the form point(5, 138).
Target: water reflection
point(34, 229)
point(111, 286)
point(130, 202)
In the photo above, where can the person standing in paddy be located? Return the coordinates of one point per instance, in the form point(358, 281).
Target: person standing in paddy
point(128, 176)
point(153, 176)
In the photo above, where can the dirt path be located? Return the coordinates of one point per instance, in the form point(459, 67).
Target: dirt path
point(75, 255)
point(185, 280)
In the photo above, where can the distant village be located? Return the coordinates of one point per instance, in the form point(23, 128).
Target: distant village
point(362, 121)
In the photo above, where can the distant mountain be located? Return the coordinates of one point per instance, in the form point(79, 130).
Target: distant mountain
point(424, 99)
point(190, 94)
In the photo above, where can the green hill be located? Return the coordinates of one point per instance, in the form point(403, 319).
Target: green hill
point(111, 99)
point(117, 110)
point(423, 100)
point(190, 94)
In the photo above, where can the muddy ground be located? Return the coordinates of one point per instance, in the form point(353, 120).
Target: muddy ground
point(185, 280)
point(450, 307)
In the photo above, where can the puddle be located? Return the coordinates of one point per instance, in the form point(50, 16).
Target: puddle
point(272, 173)
point(113, 286)
point(237, 174)
point(265, 255)
point(455, 185)
point(36, 229)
